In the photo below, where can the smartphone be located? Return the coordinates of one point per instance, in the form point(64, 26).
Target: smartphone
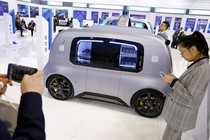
point(162, 73)
point(16, 72)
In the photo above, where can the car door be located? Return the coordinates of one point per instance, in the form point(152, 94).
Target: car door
point(103, 76)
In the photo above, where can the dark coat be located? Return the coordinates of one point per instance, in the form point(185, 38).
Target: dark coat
point(31, 25)
point(18, 26)
point(30, 122)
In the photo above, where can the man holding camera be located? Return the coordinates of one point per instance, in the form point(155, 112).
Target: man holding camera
point(30, 121)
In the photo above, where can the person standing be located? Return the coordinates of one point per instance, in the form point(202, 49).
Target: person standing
point(162, 30)
point(55, 23)
point(180, 36)
point(71, 23)
point(19, 26)
point(31, 26)
point(175, 37)
point(187, 92)
point(23, 24)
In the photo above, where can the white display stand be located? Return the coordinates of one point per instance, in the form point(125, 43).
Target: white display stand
point(2, 37)
point(7, 38)
point(76, 23)
point(42, 42)
point(8, 29)
point(201, 131)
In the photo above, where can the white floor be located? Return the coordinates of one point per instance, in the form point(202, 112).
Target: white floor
point(82, 119)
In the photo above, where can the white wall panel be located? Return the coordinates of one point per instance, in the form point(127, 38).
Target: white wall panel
point(196, 4)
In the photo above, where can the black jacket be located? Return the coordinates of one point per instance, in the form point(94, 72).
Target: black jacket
point(18, 26)
point(30, 122)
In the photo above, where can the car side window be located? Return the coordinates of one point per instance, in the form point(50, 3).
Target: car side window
point(83, 52)
point(107, 53)
point(86, 51)
point(125, 55)
point(128, 56)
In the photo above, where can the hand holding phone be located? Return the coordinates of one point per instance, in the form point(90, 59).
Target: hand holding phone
point(16, 72)
point(33, 83)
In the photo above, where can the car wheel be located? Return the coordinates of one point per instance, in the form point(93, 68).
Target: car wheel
point(60, 87)
point(148, 103)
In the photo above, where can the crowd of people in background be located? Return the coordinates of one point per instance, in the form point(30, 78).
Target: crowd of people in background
point(176, 37)
point(22, 26)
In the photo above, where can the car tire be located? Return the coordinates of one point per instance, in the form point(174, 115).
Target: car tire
point(60, 87)
point(148, 103)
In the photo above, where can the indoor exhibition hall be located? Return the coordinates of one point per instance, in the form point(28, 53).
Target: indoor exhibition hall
point(104, 70)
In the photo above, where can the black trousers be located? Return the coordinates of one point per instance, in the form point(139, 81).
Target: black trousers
point(32, 32)
point(54, 28)
point(21, 32)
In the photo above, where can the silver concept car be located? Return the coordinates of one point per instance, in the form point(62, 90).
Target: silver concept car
point(116, 64)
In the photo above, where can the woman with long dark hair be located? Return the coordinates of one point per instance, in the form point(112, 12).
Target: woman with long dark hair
point(183, 101)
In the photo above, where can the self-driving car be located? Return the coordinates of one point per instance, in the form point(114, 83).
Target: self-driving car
point(110, 63)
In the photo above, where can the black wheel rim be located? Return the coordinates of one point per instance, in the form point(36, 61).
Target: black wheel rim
point(60, 88)
point(149, 104)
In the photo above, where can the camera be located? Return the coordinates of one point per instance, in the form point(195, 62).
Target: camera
point(16, 72)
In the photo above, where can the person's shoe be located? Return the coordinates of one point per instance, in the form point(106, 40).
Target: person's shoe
point(22, 35)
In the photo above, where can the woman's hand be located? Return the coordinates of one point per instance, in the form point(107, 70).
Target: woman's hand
point(168, 78)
